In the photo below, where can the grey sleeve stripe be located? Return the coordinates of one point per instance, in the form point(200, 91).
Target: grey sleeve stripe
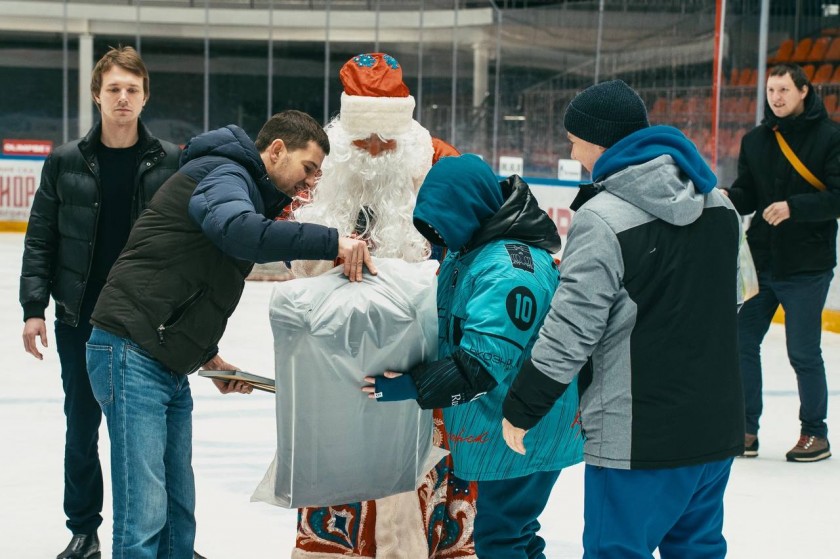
point(590, 281)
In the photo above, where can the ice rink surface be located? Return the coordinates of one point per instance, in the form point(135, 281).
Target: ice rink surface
point(774, 509)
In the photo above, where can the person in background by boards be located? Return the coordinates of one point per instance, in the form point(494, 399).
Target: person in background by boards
point(92, 191)
point(792, 238)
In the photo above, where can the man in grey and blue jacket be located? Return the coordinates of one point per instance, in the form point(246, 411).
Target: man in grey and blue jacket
point(646, 314)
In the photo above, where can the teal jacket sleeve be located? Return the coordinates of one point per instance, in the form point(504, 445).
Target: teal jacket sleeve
point(501, 316)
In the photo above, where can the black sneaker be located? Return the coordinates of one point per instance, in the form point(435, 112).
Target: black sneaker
point(750, 446)
point(809, 448)
point(82, 546)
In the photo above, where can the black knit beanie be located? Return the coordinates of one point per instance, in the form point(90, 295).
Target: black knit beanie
point(604, 113)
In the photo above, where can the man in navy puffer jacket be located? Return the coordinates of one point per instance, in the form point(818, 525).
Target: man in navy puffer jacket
point(166, 304)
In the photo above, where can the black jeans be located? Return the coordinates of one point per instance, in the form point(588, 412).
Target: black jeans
point(82, 470)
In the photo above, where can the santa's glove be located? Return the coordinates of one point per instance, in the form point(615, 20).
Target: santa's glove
point(394, 389)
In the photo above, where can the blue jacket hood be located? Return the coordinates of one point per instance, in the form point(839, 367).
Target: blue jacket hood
point(649, 143)
point(233, 144)
point(230, 142)
point(457, 196)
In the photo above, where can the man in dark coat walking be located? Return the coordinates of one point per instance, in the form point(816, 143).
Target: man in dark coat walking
point(792, 238)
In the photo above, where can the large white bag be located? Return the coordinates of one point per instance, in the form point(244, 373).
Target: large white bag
point(334, 444)
point(747, 276)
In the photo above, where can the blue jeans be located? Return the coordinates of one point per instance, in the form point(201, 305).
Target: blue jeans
point(506, 516)
point(629, 513)
point(802, 296)
point(82, 470)
point(149, 414)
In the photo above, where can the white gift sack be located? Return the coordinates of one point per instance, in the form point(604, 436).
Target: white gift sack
point(334, 444)
point(747, 276)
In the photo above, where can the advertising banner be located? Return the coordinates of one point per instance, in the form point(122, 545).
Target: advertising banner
point(21, 162)
point(555, 201)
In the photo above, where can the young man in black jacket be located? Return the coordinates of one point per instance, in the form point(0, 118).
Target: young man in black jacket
point(92, 190)
point(792, 238)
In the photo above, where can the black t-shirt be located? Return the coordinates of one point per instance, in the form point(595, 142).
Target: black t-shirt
point(117, 171)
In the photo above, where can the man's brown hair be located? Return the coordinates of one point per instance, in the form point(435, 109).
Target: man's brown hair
point(797, 74)
point(295, 128)
point(127, 59)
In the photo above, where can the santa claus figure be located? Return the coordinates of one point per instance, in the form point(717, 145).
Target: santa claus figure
point(378, 158)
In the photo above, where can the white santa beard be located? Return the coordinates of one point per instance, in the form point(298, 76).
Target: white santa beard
point(384, 186)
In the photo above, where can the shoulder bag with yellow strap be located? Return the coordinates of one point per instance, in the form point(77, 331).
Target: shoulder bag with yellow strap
point(797, 164)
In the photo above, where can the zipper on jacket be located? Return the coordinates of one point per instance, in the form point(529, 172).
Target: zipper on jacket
point(206, 357)
point(92, 166)
point(176, 315)
point(148, 161)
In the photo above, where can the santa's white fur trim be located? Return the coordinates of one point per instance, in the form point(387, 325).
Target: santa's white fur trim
point(362, 116)
point(386, 185)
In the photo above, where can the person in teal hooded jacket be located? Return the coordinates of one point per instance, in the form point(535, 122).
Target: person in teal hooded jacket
point(494, 289)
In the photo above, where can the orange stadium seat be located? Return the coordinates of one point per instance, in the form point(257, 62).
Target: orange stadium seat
point(660, 107)
point(725, 143)
point(808, 70)
point(750, 112)
point(819, 49)
point(748, 76)
point(693, 104)
point(742, 109)
point(727, 105)
point(737, 136)
point(830, 102)
point(733, 76)
point(823, 73)
point(783, 53)
point(833, 52)
point(803, 48)
point(835, 77)
point(730, 142)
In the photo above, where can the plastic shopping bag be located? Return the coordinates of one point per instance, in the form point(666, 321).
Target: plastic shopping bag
point(747, 276)
point(334, 444)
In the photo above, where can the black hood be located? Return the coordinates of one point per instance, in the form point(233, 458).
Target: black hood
point(813, 113)
point(520, 218)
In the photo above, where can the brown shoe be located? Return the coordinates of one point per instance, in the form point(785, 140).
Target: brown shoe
point(810, 448)
point(750, 446)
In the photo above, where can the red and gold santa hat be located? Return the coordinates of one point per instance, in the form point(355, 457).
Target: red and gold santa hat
point(375, 99)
